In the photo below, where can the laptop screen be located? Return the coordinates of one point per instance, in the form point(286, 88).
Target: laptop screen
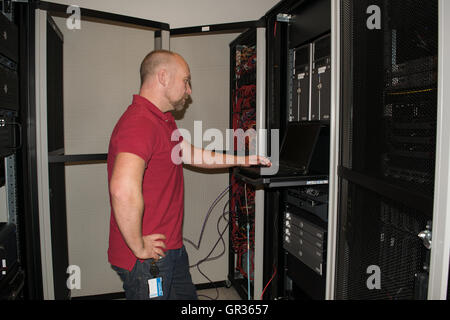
point(298, 144)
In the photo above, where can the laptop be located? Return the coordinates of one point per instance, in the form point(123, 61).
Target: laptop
point(305, 150)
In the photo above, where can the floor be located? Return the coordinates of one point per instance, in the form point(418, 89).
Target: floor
point(223, 294)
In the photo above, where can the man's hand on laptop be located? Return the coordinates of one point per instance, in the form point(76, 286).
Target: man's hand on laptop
point(255, 160)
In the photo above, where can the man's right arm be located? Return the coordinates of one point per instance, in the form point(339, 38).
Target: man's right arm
point(127, 201)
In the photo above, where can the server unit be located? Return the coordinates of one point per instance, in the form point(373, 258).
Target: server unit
point(305, 244)
point(309, 81)
point(321, 79)
point(305, 223)
point(299, 107)
point(304, 240)
point(313, 199)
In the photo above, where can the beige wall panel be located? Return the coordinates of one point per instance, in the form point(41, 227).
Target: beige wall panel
point(88, 229)
point(101, 73)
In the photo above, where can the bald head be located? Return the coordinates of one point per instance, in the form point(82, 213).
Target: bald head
point(165, 79)
point(156, 60)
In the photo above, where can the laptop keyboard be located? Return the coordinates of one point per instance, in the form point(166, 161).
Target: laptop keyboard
point(282, 170)
point(288, 167)
point(292, 170)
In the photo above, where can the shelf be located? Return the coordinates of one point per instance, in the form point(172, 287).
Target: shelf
point(77, 158)
point(408, 197)
point(281, 182)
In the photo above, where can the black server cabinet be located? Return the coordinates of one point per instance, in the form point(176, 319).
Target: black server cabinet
point(11, 269)
point(292, 28)
point(22, 278)
point(242, 196)
point(388, 143)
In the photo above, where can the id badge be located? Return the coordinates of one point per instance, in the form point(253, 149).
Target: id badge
point(155, 287)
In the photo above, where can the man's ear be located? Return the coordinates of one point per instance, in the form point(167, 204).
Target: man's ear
point(163, 77)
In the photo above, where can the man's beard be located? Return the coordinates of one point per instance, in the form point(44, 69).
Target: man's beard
point(179, 104)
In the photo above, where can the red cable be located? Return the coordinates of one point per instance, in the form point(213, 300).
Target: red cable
point(273, 276)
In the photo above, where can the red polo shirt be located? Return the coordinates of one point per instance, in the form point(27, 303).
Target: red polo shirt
point(146, 132)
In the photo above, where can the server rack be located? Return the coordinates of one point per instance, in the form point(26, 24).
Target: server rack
point(302, 26)
point(23, 277)
point(284, 33)
point(11, 268)
point(388, 146)
point(242, 197)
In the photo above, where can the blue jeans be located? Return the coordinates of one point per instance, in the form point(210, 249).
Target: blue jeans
point(174, 271)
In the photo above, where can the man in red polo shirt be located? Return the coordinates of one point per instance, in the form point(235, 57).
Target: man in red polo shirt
point(146, 185)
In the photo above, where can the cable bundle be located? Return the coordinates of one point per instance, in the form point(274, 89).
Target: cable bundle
point(242, 201)
point(242, 218)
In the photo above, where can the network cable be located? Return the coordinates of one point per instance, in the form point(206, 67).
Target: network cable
point(197, 246)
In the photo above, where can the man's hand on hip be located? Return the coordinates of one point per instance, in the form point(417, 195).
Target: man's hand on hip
point(153, 246)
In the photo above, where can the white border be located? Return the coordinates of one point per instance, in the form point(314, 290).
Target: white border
point(438, 281)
